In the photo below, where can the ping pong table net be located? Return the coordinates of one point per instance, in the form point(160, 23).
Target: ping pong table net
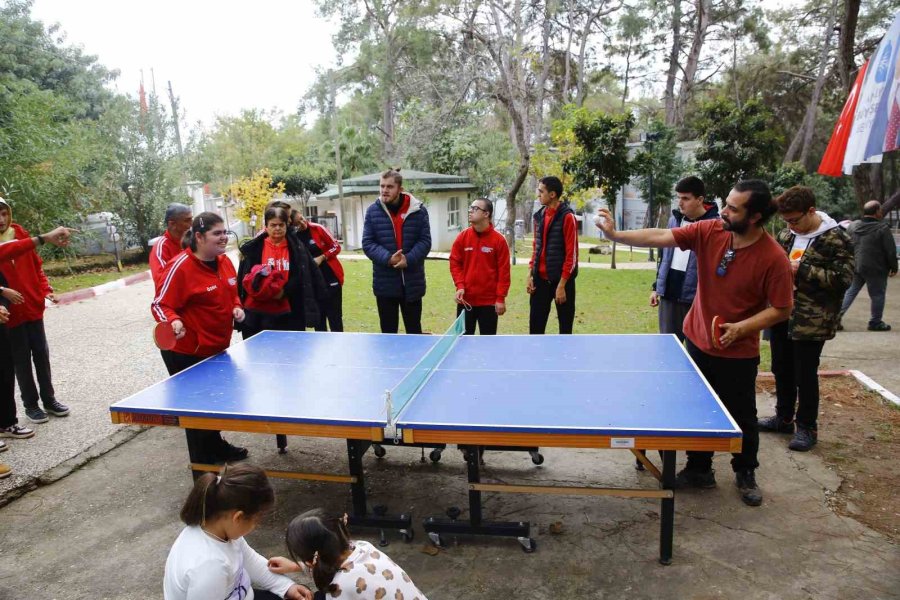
point(399, 397)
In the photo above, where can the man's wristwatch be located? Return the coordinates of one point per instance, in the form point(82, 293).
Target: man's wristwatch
point(41, 240)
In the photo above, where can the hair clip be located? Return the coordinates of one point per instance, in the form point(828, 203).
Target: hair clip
point(315, 558)
point(201, 222)
point(218, 478)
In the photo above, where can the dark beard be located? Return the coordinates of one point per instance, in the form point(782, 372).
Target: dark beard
point(739, 227)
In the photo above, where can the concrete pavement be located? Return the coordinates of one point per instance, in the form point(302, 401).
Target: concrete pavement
point(104, 531)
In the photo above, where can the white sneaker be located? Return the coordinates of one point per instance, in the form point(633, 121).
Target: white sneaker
point(16, 431)
point(3, 447)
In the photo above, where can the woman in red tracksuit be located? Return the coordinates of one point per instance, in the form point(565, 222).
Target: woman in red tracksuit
point(479, 265)
point(324, 250)
point(198, 296)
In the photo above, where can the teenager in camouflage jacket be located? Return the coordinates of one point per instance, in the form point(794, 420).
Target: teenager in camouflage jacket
point(821, 255)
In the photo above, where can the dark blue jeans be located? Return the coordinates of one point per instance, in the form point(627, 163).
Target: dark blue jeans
point(876, 285)
point(734, 381)
point(29, 344)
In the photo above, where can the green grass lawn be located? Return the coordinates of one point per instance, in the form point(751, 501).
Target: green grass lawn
point(606, 302)
point(68, 283)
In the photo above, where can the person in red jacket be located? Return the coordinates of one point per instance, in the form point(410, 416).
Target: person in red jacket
point(27, 291)
point(199, 295)
point(479, 265)
point(178, 221)
point(324, 250)
point(10, 251)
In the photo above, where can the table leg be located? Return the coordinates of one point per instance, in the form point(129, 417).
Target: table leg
point(476, 525)
point(195, 450)
point(667, 509)
point(360, 516)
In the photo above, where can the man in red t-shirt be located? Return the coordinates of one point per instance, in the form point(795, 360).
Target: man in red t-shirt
point(744, 283)
point(479, 265)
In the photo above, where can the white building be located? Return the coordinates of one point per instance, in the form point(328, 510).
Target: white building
point(447, 198)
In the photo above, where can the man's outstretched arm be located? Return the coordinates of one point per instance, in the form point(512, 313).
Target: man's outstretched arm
point(645, 238)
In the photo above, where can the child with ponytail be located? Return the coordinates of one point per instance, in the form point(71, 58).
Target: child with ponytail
point(210, 559)
point(340, 567)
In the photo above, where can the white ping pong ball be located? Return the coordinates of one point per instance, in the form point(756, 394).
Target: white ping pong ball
point(599, 221)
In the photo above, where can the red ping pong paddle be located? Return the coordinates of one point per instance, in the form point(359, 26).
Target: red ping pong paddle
point(165, 339)
point(716, 332)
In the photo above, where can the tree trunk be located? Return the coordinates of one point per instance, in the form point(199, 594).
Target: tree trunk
point(820, 83)
point(846, 62)
point(567, 78)
point(701, 25)
point(511, 207)
point(672, 74)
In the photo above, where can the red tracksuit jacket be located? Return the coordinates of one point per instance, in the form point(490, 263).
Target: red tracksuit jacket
point(25, 274)
point(202, 299)
point(479, 263)
point(164, 250)
point(329, 247)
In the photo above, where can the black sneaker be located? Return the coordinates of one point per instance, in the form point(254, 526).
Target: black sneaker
point(775, 424)
point(746, 484)
point(231, 453)
point(16, 431)
point(804, 439)
point(695, 479)
point(882, 326)
point(56, 408)
point(36, 415)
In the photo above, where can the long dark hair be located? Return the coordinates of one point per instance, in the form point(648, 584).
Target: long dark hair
point(312, 537)
point(201, 224)
point(240, 487)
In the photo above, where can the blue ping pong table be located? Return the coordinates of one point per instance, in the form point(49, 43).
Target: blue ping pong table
point(632, 392)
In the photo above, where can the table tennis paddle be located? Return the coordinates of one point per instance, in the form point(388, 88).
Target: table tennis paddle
point(716, 332)
point(165, 339)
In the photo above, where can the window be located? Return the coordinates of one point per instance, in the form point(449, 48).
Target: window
point(453, 213)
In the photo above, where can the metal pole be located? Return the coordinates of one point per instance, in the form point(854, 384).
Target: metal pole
point(650, 256)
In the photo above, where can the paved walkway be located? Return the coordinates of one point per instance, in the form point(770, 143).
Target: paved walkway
point(120, 510)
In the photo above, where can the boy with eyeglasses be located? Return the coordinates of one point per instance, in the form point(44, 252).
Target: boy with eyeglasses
point(744, 282)
point(479, 265)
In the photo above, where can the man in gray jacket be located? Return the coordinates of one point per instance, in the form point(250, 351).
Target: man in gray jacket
point(876, 259)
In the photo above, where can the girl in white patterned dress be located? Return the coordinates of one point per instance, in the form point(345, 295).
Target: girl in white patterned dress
point(340, 567)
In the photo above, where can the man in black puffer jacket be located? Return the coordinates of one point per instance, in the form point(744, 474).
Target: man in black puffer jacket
point(554, 260)
point(397, 239)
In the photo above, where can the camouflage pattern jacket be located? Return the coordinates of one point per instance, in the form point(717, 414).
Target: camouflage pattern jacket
point(824, 274)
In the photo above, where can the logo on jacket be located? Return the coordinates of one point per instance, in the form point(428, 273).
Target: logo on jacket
point(468, 249)
point(212, 287)
point(232, 281)
point(487, 249)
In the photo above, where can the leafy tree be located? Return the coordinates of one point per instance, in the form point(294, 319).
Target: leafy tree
point(603, 158)
point(735, 143)
point(658, 164)
point(253, 193)
point(142, 176)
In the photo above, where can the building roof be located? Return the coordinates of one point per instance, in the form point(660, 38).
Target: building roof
point(364, 185)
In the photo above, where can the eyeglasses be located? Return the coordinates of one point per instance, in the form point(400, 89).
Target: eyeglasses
point(795, 220)
point(726, 260)
point(474, 208)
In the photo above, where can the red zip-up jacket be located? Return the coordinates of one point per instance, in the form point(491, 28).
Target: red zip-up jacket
point(13, 250)
point(25, 274)
point(202, 299)
point(479, 264)
point(329, 247)
point(164, 250)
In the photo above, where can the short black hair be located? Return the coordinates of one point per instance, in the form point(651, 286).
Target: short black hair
point(553, 184)
point(488, 205)
point(691, 185)
point(760, 201)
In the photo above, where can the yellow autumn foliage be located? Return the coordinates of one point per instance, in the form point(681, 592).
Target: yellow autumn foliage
point(252, 194)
